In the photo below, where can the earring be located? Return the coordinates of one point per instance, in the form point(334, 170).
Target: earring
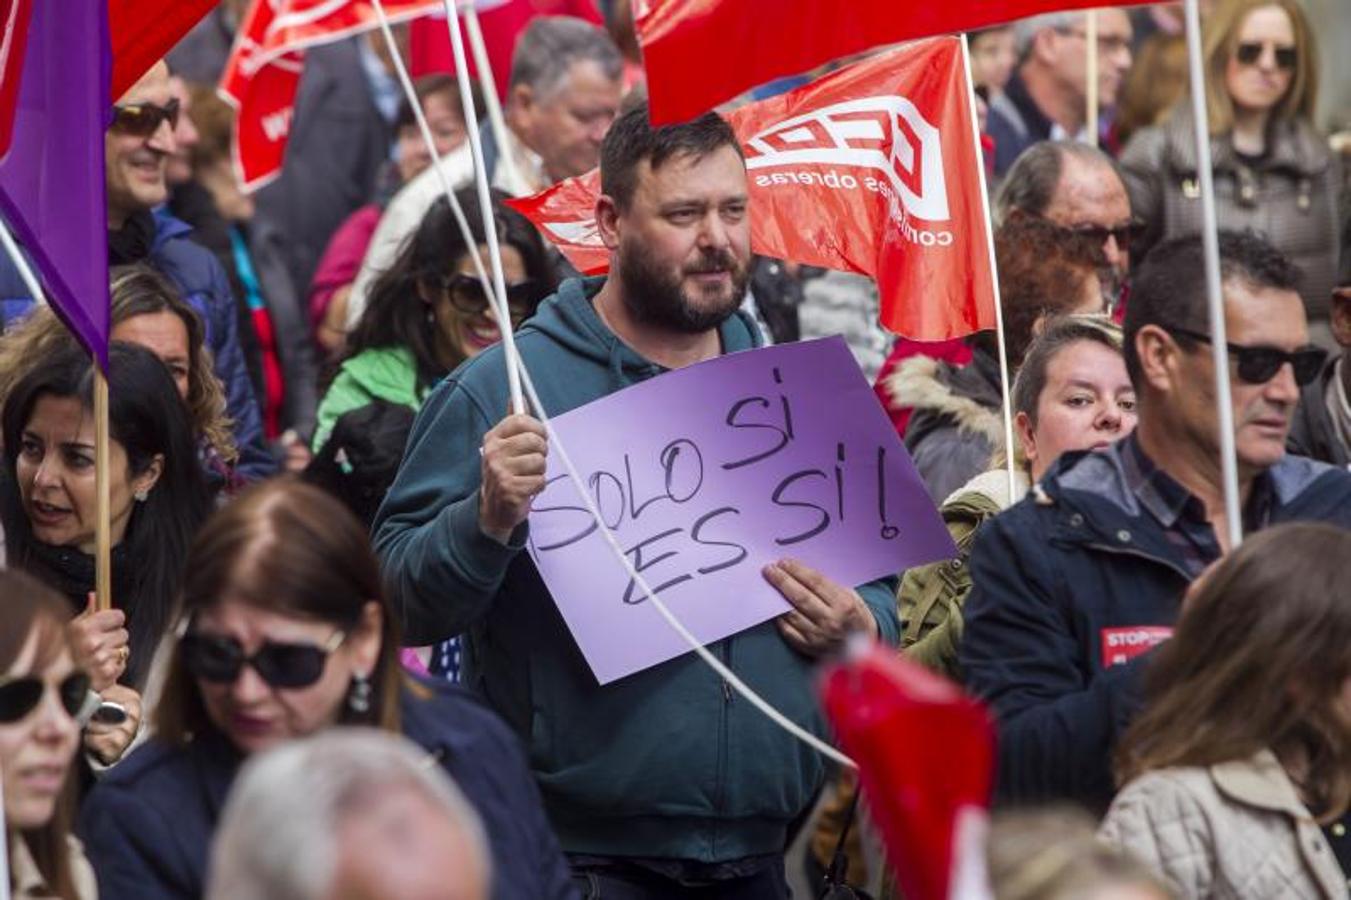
point(142, 496)
point(359, 696)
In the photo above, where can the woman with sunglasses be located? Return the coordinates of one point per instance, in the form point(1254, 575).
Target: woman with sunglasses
point(1238, 773)
point(43, 699)
point(1273, 172)
point(284, 633)
point(428, 313)
point(48, 507)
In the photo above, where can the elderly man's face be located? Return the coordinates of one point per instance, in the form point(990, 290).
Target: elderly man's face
point(1069, 57)
point(1090, 197)
point(136, 162)
point(566, 124)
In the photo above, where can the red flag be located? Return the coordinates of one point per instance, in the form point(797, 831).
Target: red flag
point(872, 169)
point(790, 37)
point(926, 768)
point(143, 31)
point(13, 41)
point(263, 71)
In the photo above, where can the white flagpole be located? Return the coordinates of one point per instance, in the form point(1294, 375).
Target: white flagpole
point(488, 84)
point(1005, 376)
point(486, 204)
point(1091, 65)
point(494, 287)
point(1210, 243)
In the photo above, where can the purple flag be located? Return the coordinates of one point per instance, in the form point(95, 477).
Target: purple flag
point(52, 189)
point(706, 474)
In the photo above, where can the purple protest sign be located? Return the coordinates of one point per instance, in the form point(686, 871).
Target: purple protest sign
point(708, 473)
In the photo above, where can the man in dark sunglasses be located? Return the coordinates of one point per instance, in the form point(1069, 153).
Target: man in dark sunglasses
point(1073, 587)
point(1322, 424)
point(138, 144)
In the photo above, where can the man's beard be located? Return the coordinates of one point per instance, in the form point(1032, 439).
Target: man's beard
point(654, 297)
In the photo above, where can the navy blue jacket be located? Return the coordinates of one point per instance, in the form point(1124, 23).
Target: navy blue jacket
point(1066, 587)
point(199, 276)
point(147, 824)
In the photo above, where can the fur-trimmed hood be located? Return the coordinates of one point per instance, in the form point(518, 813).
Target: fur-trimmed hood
point(968, 397)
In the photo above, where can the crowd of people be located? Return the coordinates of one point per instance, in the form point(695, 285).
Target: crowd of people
point(330, 670)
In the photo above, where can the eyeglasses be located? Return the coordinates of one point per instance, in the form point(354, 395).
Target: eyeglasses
point(143, 119)
point(1258, 365)
point(1249, 52)
point(1124, 233)
point(20, 696)
point(220, 659)
point(468, 297)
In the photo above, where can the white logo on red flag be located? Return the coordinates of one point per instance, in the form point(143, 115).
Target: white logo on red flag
point(872, 169)
point(885, 134)
point(263, 72)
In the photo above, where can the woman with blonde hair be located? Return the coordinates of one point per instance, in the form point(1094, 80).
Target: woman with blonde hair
point(1238, 773)
point(147, 310)
point(1273, 171)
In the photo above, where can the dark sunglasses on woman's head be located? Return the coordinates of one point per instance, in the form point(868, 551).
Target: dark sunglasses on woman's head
point(467, 296)
point(1258, 365)
point(221, 659)
point(1249, 52)
point(20, 696)
point(143, 119)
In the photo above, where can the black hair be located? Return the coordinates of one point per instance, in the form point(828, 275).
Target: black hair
point(1169, 289)
point(147, 418)
point(632, 139)
point(396, 314)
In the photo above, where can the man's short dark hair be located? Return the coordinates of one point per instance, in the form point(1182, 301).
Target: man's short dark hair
point(1170, 287)
point(632, 139)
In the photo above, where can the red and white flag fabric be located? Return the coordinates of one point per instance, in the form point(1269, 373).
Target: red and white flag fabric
point(926, 761)
point(263, 72)
point(790, 37)
point(143, 31)
point(872, 169)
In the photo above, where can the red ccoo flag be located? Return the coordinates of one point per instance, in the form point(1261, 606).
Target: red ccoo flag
point(789, 37)
point(872, 169)
point(263, 71)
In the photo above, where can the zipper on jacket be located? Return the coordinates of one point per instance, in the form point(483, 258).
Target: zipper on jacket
point(724, 747)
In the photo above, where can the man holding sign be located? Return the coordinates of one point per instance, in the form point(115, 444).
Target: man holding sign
point(663, 781)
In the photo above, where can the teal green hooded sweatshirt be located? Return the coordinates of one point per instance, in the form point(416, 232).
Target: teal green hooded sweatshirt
point(666, 763)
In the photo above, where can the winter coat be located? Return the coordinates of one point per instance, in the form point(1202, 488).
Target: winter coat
point(931, 597)
point(845, 304)
point(666, 762)
point(338, 144)
point(381, 373)
point(1070, 587)
point(1232, 831)
point(341, 261)
point(1313, 433)
point(147, 824)
point(956, 424)
point(1291, 196)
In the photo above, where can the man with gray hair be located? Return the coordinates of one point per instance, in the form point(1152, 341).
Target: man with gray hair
point(351, 813)
point(564, 91)
point(1077, 187)
point(1047, 96)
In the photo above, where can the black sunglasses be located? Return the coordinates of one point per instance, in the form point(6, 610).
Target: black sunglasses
point(1124, 233)
point(143, 119)
point(220, 659)
point(20, 696)
point(468, 297)
point(1258, 365)
point(1249, 52)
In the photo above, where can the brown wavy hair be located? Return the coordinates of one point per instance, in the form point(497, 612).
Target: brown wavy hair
point(136, 290)
point(32, 607)
point(290, 548)
point(1219, 38)
point(1259, 660)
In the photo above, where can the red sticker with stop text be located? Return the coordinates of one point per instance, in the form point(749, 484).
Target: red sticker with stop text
point(1121, 645)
